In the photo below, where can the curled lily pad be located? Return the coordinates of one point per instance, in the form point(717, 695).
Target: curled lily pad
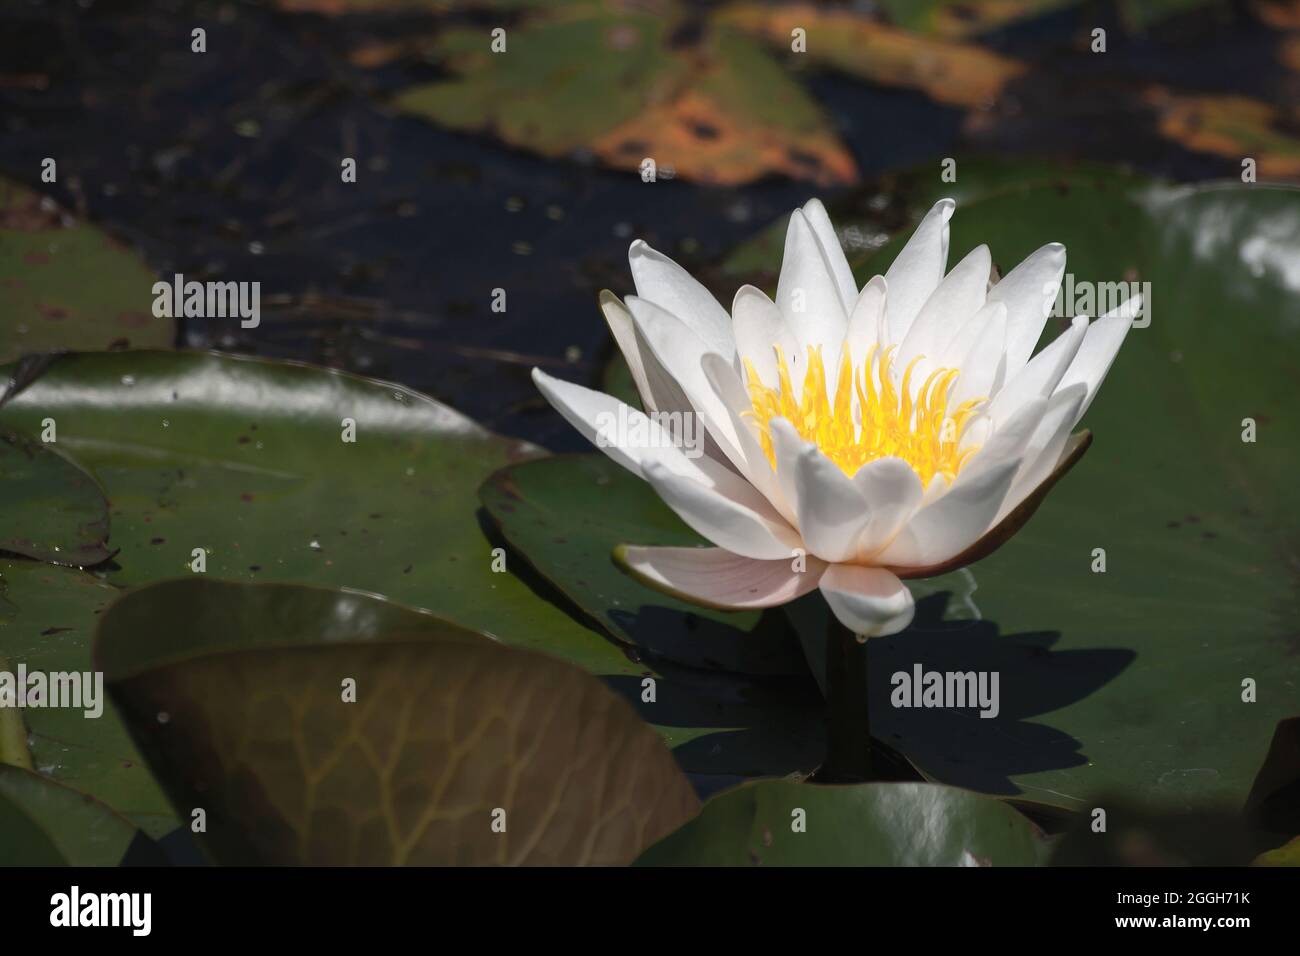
point(312, 726)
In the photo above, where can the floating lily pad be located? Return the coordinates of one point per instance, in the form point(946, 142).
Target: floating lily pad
point(66, 285)
point(50, 509)
point(659, 96)
point(244, 459)
point(47, 616)
point(568, 513)
point(315, 726)
point(783, 823)
point(43, 823)
point(1132, 680)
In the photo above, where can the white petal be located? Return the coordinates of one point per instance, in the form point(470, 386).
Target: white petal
point(1045, 447)
point(1007, 442)
point(717, 578)
point(1029, 291)
point(808, 297)
point(954, 350)
point(1041, 376)
point(786, 448)
point(661, 281)
point(982, 362)
point(679, 351)
point(831, 509)
point(632, 438)
point(958, 297)
point(867, 321)
point(759, 326)
point(832, 251)
point(951, 523)
point(870, 602)
point(1100, 346)
point(918, 269)
point(619, 320)
point(753, 529)
point(893, 492)
point(729, 390)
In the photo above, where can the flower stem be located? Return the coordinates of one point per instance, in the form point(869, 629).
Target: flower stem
point(848, 738)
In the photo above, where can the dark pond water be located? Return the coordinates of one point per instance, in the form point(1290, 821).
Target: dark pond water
point(227, 165)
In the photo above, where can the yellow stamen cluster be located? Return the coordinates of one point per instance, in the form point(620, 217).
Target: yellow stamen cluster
point(891, 422)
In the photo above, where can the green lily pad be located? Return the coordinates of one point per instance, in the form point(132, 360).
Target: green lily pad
point(567, 514)
point(1144, 833)
point(51, 509)
point(243, 458)
point(784, 823)
point(314, 726)
point(1131, 680)
point(43, 823)
point(66, 285)
point(47, 616)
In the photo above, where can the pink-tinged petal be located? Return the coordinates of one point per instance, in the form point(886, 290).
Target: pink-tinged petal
point(1028, 291)
point(717, 578)
point(661, 281)
point(917, 270)
point(870, 602)
point(752, 529)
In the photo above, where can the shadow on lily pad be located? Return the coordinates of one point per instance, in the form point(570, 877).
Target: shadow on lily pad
point(962, 746)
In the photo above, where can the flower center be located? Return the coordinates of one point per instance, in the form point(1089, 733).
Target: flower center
point(888, 421)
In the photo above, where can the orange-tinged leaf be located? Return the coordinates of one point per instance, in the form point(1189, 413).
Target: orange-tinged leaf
point(947, 71)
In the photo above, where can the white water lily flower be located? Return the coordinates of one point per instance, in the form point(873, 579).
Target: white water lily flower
point(853, 437)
